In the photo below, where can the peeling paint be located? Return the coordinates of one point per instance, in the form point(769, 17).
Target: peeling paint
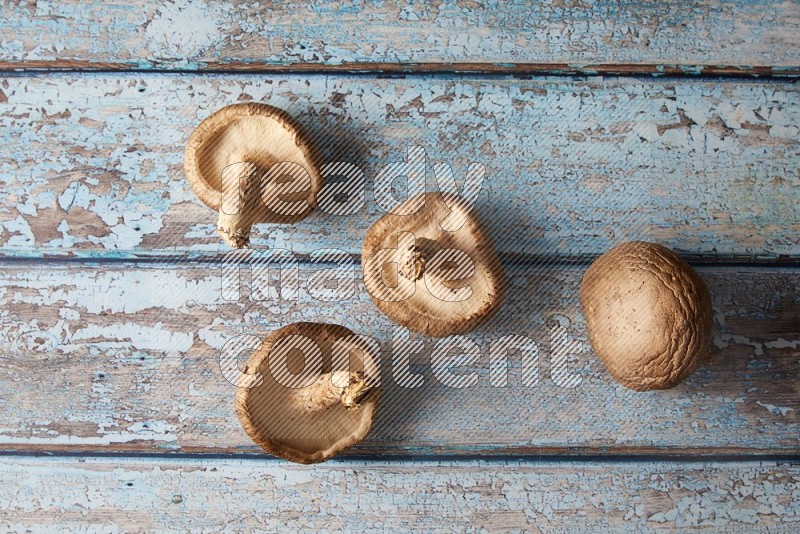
point(112, 347)
point(112, 184)
point(132, 335)
point(183, 28)
point(778, 410)
point(192, 33)
point(442, 496)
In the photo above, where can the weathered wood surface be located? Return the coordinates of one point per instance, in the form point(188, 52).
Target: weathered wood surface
point(123, 358)
point(156, 494)
point(92, 164)
point(126, 357)
point(729, 36)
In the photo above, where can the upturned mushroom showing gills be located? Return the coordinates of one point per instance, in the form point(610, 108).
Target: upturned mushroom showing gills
point(311, 391)
point(431, 267)
point(648, 314)
point(253, 164)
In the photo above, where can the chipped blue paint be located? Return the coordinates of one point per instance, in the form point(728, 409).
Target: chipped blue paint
point(91, 170)
point(98, 318)
point(573, 166)
point(692, 70)
point(732, 32)
point(198, 494)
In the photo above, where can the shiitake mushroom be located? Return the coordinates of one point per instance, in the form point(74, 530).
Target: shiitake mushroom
point(310, 403)
point(253, 163)
point(434, 277)
point(648, 314)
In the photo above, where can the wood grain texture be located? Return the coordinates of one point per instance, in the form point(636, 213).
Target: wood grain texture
point(92, 165)
point(671, 36)
point(122, 357)
point(155, 495)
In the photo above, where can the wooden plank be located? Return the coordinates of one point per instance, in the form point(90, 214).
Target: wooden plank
point(721, 36)
point(138, 495)
point(124, 357)
point(92, 164)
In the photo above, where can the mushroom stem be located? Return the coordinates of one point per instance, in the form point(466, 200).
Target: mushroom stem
point(327, 391)
point(414, 259)
point(241, 194)
point(355, 392)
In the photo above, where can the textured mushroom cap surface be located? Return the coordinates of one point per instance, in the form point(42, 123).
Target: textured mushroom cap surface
point(278, 418)
point(424, 312)
point(258, 133)
point(648, 314)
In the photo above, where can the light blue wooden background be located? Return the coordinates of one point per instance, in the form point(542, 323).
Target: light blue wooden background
point(598, 122)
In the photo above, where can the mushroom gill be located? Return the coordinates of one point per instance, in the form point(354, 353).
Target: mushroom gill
point(432, 280)
point(253, 164)
point(312, 401)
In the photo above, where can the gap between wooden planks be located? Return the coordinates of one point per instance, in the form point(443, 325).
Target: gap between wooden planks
point(519, 70)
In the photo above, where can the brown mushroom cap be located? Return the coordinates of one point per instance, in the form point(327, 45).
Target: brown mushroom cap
point(262, 136)
point(648, 314)
point(425, 312)
point(313, 423)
